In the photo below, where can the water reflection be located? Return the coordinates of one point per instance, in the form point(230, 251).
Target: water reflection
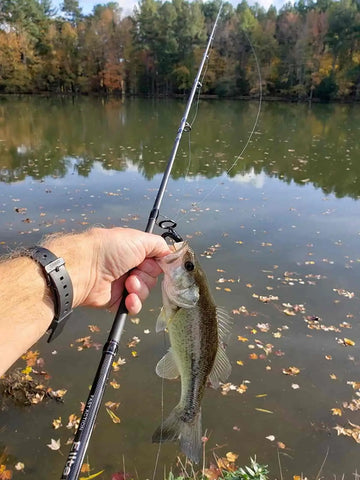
point(44, 137)
point(275, 235)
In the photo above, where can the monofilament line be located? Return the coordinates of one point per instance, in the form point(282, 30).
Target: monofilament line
point(252, 132)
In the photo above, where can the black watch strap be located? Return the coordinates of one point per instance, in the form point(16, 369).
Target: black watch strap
point(60, 284)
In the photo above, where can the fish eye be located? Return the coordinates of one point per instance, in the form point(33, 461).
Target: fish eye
point(189, 266)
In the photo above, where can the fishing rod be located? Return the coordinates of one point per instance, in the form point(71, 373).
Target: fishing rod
point(82, 437)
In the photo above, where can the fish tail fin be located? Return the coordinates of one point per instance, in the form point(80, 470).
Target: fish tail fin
point(188, 434)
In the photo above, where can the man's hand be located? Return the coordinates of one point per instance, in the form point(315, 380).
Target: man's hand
point(102, 261)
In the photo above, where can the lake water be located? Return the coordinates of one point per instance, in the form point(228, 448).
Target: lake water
point(278, 235)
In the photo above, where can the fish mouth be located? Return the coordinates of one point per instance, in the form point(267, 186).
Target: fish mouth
point(176, 251)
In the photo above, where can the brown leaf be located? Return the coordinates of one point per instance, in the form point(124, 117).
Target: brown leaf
point(291, 371)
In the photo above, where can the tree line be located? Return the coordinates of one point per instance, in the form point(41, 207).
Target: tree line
point(309, 50)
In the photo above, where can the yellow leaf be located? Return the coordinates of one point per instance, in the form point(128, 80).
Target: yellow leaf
point(56, 423)
point(115, 384)
point(242, 388)
point(263, 410)
point(134, 354)
point(336, 411)
point(93, 475)
point(113, 416)
point(240, 362)
point(281, 445)
point(348, 342)
point(231, 457)
point(27, 370)
point(242, 339)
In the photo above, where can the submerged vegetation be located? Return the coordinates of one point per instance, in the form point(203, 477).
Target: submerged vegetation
point(307, 50)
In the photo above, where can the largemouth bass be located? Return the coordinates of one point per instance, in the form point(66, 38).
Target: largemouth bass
point(197, 331)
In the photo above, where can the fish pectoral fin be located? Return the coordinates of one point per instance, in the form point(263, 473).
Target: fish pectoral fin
point(224, 321)
point(166, 367)
point(161, 321)
point(221, 368)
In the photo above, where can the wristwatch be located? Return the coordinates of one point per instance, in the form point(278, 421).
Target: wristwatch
point(58, 279)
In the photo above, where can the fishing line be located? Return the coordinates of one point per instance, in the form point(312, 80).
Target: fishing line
point(252, 132)
point(161, 416)
point(202, 83)
point(190, 124)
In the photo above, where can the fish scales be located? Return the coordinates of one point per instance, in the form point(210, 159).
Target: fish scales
point(197, 330)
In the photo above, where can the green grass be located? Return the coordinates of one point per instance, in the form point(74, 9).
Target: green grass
point(229, 471)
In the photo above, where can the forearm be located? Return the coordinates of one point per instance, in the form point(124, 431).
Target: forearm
point(26, 301)
point(27, 308)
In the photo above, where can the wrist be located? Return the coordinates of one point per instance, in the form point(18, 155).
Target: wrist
point(79, 252)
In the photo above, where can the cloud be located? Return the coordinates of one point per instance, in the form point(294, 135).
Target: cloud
point(252, 178)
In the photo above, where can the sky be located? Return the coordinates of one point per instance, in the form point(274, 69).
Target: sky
point(128, 5)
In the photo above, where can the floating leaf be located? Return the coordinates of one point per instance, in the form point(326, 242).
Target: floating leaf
point(56, 423)
point(19, 466)
point(112, 405)
point(85, 468)
point(242, 339)
point(242, 388)
point(113, 416)
point(30, 357)
point(336, 411)
point(349, 432)
point(92, 476)
point(73, 422)
point(54, 444)
point(270, 437)
point(291, 371)
point(263, 410)
point(115, 384)
point(94, 328)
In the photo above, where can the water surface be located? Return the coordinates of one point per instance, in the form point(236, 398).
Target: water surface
point(282, 221)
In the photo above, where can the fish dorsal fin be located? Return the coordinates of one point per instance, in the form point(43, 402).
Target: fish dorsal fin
point(166, 367)
point(161, 321)
point(224, 324)
point(221, 368)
